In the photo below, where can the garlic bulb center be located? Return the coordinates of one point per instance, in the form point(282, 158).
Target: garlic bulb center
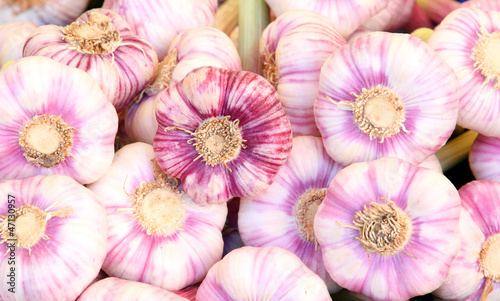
point(46, 140)
point(164, 74)
point(489, 258)
point(383, 228)
point(305, 210)
point(23, 4)
point(97, 36)
point(270, 70)
point(485, 56)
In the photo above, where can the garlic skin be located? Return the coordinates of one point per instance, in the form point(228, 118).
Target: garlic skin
point(270, 273)
point(41, 12)
point(63, 242)
point(55, 120)
point(12, 39)
point(432, 162)
point(293, 48)
point(390, 18)
point(474, 274)
point(190, 49)
point(482, 4)
point(381, 228)
point(121, 62)
point(223, 133)
point(385, 95)
point(157, 233)
point(345, 15)
point(462, 41)
point(283, 215)
point(484, 161)
point(159, 21)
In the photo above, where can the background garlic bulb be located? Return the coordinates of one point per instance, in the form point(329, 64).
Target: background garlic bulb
point(58, 12)
point(12, 39)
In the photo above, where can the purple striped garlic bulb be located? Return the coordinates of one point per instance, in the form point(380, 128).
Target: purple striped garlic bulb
point(389, 229)
point(223, 133)
point(41, 12)
point(270, 273)
point(390, 18)
point(467, 40)
point(283, 215)
point(385, 95)
point(101, 43)
point(484, 158)
point(53, 238)
point(55, 120)
point(190, 49)
point(475, 272)
point(159, 21)
point(12, 39)
point(293, 48)
point(157, 234)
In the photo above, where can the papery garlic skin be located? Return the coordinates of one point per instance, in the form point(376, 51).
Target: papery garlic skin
point(283, 215)
point(170, 253)
point(293, 49)
point(32, 87)
point(479, 222)
point(190, 49)
point(432, 162)
point(390, 18)
point(121, 62)
point(461, 40)
point(57, 12)
point(64, 262)
point(484, 159)
point(412, 95)
point(159, 21)
point(411, 258)
point(12, 39)
point(270, 273)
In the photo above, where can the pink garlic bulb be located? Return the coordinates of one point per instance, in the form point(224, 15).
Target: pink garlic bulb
point(41, 12)
point(12, 39)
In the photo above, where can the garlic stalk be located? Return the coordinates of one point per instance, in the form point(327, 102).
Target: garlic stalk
point(12, 39)
point(226, 16)
point(270, 273)
point(381, 227)
point(223, 133)
point(385, 94)
point(55, 120)
point(41, 12)
point(253, 19)
point(53, 238)
point(157, 233)
point(101, 43)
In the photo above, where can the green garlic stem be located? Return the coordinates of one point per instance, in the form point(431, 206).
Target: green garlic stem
point(253, 19)
point(456, 150)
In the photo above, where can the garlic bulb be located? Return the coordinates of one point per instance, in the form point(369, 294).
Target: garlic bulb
point(55, 120)
point(483, 4)
point(475, 272)
point(12, 39)
point(390, 18)
point(283, 215)
point(270, 273)
point(102, 44)
point(41, 12)
point(437, 10)
point(159, 21)
point(432, 162)
point(190, 49)
point(293, 48)
point(484, 159)
point(157, 233)
point(223, 133)
point(53, 237)
point(385, 95)
point(466, 40)
point(389, 229)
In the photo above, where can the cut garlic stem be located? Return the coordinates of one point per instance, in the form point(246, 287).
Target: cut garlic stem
point(253, 19)
point(456, 150)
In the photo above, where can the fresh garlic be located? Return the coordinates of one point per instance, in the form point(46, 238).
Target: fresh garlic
point(484, 159)
point(55, 120)
point(483, 4)
point(437, 10)
point(159, 21)
point(12, 39)
point(390, 18)
point(223, 133)
point(41, 12)
point(53, 238)
point(432, 162)
point(385, 94)
point(389, 229)
point(102, 44)
point(193, 48)
point(475, 272)
point(467, 39)
point(417, 19)
point(157, 233)
point(283, 215)
point(293, 48)
point(270, 273)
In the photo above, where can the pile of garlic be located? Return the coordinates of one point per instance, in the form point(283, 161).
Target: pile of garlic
point(248, 150)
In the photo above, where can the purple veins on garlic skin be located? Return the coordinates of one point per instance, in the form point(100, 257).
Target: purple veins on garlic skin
point(484, 158)
point(55, 120)
point(223, 133)
point(385, 95)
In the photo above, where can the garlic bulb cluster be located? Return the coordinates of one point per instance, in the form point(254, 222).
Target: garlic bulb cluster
point(53, 238)
point(41, 12)
point(55, 120)
point(101, 43)
point(12, 39)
